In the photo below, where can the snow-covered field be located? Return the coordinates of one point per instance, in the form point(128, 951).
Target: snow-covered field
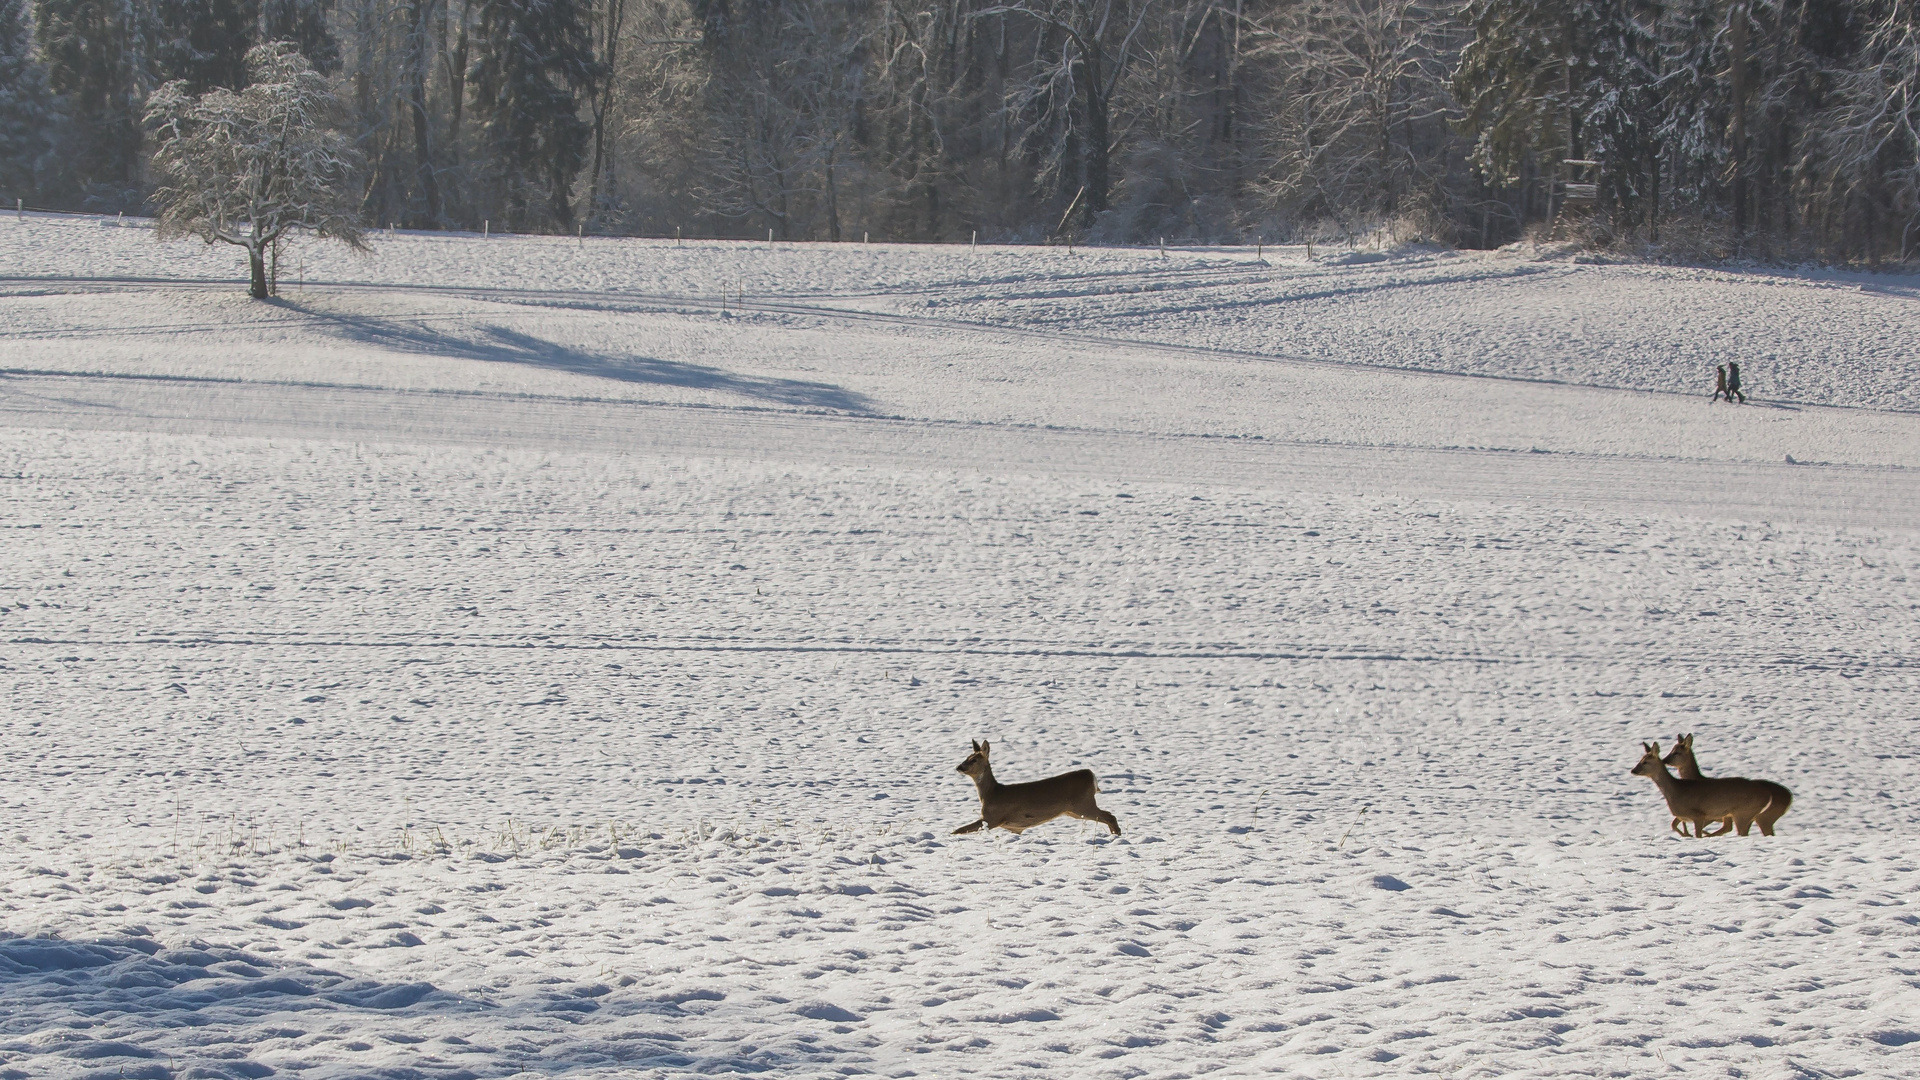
point(492, 659)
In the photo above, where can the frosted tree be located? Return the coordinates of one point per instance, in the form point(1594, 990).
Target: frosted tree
point(1073, 91)
point(1362, 112)
point(785, 85)
point(1866, 160)
point(247, 167)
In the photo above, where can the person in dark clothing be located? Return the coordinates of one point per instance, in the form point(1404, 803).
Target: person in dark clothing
point(1720, 382)
point(1733, 383)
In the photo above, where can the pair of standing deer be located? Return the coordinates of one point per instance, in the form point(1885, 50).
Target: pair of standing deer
point(1733, 801)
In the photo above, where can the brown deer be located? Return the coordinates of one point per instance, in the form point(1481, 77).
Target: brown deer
point(1734, 799)
point(1019, 807)
point(1687, 767)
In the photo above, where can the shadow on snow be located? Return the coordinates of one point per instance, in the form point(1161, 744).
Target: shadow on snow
point(498, 344)
point(129, 1008)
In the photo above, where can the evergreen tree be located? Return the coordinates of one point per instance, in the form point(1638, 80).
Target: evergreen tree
point(304, 23)
point(93, 53)
point(29, 113)
point(1515, 85)
point(536, 70)
point(1577, 79)
point(1693, 131)
point(204, 43)
point(1618, 88)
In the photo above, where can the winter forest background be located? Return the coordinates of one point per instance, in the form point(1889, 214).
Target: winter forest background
point(1761, 128)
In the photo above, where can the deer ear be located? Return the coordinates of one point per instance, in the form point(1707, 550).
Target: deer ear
point(986, 747)
point(976, 745)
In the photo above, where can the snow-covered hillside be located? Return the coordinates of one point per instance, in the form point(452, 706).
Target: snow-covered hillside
point(465, 669)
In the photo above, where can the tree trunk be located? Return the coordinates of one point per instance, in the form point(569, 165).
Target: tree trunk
point(1737, 124)
point(257, 263)
point(833, 196)
point(560, 204)
point(1232, 45)
point(417, 105)
point(457, 87)
point(1099, 177)
point(1653, 197)
point(603, 104)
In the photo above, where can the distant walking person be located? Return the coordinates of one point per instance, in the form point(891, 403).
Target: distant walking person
point(1720, 382)
point(1733, 383)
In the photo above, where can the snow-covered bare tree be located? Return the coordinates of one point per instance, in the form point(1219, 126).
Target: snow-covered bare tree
point(247, 167)
point(1072, 92)
point(1867, 150)
point(1360, 119)
point(786, 81)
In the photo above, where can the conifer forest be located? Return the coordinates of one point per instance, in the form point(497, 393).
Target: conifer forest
point(1771, 129)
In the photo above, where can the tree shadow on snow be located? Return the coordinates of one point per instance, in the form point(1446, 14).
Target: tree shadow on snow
point(498, 344)
point(129, 1007)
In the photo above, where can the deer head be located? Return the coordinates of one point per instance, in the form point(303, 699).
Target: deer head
point(1682, 746)
point(1650, 761)
point(976, 762)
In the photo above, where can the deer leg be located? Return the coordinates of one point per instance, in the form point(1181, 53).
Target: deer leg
point(975, 827)
point(1726, 826)
point(1679, 828)
point(1743, 823)
point(1090, 811)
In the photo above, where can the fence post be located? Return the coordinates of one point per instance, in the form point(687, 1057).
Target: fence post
point(676, 236)
point(19, 210)
point(973, 245)
point(769, 239)
point(486, 229)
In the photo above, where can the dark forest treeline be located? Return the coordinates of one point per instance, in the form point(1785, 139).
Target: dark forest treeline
point(1776, 128)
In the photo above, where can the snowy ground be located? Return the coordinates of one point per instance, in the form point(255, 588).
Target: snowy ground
point(428, 681)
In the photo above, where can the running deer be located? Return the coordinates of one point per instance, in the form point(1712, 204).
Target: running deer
point(1729, 799)
point(1019, 807)
point(1687, 767)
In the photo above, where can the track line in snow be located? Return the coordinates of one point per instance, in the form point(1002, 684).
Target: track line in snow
point(1060, 651)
